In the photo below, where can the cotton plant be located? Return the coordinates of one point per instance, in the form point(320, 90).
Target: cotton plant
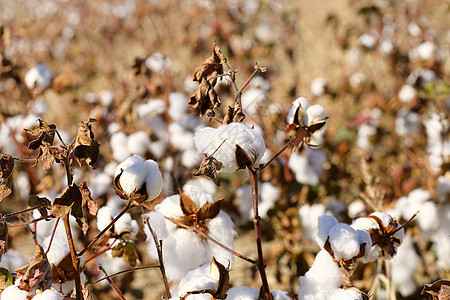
point(183, 249)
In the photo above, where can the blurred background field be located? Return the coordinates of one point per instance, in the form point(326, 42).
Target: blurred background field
point(363, 52)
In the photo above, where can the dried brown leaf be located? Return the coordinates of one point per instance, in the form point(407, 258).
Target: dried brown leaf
point(37, 274)
point(63, 204)
point(3, 236)
point(46, 134)
point(205, 98)
point(6, 165)
point(208, 167)
point(440, 289)
point(242, 158)
point(34, 201)
point(86, 148)
point(5, 191)
point(64, 271)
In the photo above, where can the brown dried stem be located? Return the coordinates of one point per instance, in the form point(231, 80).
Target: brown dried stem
point(260, 264)
point(120, 273)
point(112, 284)
point(158, 245)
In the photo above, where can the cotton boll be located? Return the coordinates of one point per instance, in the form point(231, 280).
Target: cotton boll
point(325, 223)
point(308, 166)
point(443, 189)
point(260, 83)
point(365, 132)
point(126, 227)
point(197, 297)
point(153, 179)
point(179, 137)
point(323, 277)
point(407, 93)
point(133, 178)
point(428, 217)
point(13, 292)
point(207, 140)
point(299, 103)
point(48, 295)
point(158, 225)
point(318, 86)
point(386, 47)
point(344, 241)
point(315, 114)
point(138, 143)
point(414, 29)
point(38, 77)
point(104, 216)
point(189, 85)
point(242, 293)
point(178, 106)
point(119, 142)
point(202, 184)
point(268, 195)
point(403, 266)
point(368, 41)
point(157, 63)
point(356, 209)
point(12, 260)
point(309, 215)
point(106, 97)
point(101, 184)
point(221, 228)
point(58, 249)
point(111, 264)
point(426, 50)
point(407, 122)
point(253, 100)
point(151, 109)
point(357, 80)
point(280, 295)
point(199, 279)
point(348, 294)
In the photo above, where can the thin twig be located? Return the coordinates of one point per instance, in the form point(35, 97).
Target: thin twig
point(53, 235)
point(122, 212)
point(23, 210)
point(261, 267)
point(26, 223)
point(112, 283)
point(100, 253)
point(122, 272)
point(158, 245)
point(293, 138)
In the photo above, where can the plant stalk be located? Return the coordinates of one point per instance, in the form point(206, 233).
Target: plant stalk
point(261, 267)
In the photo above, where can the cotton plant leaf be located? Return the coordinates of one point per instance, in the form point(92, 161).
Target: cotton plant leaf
point(5, 279)
point(47, 156)
point(5, 191)
point(37, 274)
point(440, 289)
point(204, 98)
point(86, 149)
point(46, 134)
point(64, 271)
point(34, 201)
point(6, 165)
point(63, 204)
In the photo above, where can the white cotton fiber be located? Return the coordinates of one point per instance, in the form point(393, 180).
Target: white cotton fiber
point(106, 97)
point(443, 189)
point(315, 114)
point(38, 77)
point(13, 292)
point(133, 178)
point(104, 216)
point(428, 218)
point(178, 106)
point(242, 293)
point(119, 142)
point(344, 241)
point(138, 143)
point(318, 86)
point(158, 224)
point(307, 166)
point(201, 184)
point(48, 295)
point(303, 104)
point(207, 140)
point(341, 294)
point(356, 209)
point(197, 280)
point(179, 137)
point(126, 226)
point(151, 109)
point(101, 184)
point(325, 223)
point(403, 266)
point(153, 179)
point(111, 264)
point(309, 215)
point(323, 277)
point(197, 297)
point(407, 93)
point(253, 100)
point(12, 260)
point(58, 249)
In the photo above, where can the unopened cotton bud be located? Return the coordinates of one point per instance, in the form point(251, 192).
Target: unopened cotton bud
point(38, 77)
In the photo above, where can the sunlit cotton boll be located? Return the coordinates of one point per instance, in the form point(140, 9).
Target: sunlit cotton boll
point(136, 172)
point(208, 140)
point(39, 77)
point(13, 292)
point(12, 260)
point(407, 93)
point(58, 249)
point(307, 166)
point(253, 101)
point(157, 63)
point(403, 266)
point(200, 279)
point(426, 50)
point(119, 146)
point(151, 109)
point(322, 279)
point(318, 86)
point(126, 227)
point(200, 184)
point(268, 194)
point(344, 241)
point(309, 215)
point(48, 295)
point(386, 47)
point(178, 106)
point(107, 98)
point(138, 143)
point(246, 293)
point(368, 41)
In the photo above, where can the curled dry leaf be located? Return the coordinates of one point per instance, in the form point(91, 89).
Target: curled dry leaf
point(35, 201)
point(205, 98)
point(440, 289)
point(208, 167)
point(78, 202)
point(6, 168)
point(242, 158)
point(64, 271)
point(3, 236)
point(128, 252)
point(37, 274)
point(86, 148)
point(46, 134)
point(194, 217)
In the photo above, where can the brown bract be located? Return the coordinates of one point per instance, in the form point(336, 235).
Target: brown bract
point(205, 97)
point(383, 236)
point(86, 148)
point(194, 217)
point(35, 201)
point(208, 167)
point(64, 271)
point(37, 274)
point(3, 236)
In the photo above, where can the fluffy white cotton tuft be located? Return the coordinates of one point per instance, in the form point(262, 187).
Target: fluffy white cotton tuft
point(126, 227)
point(207, 140)
point(202, 184)
point(107, 97)
point(253, 100)
point(307, 166)
point(344, 241)
point(309, 215)
point(48, 295)
point(138, 143)
point(325, 223)
point(58, 249)
point(13, 292)
point(318, 86)
point(242, 293)
point(178, 106)
point(104, 216)
point(38, 77)
point(341, 294)
point(197, 280)
point(407, 93)
point(403, 266)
